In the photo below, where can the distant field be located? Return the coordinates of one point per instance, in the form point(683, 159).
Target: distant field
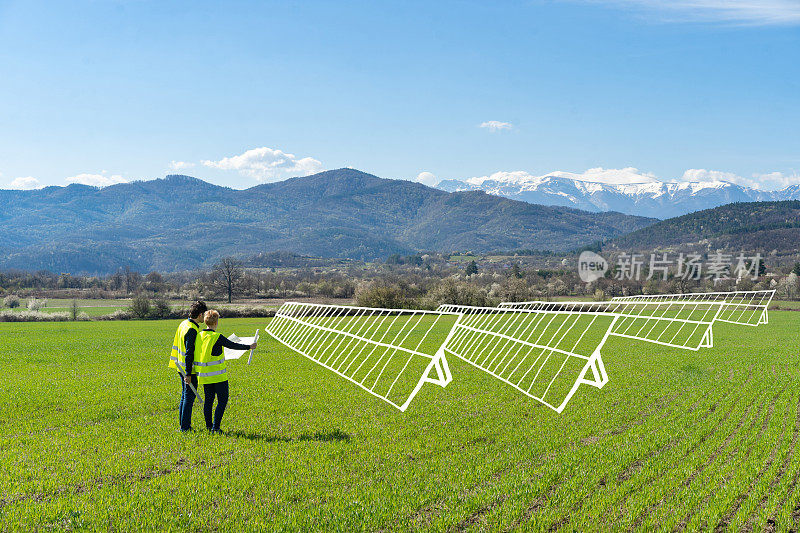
point(92, 307)
point(572, 299)
point(463, 258)
point(786, 304)
point(675, 440)
point(98, 307)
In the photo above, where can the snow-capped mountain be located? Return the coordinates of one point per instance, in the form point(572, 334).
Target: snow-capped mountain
point(641, 194)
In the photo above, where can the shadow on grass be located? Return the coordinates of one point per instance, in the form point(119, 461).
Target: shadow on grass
point(337, 435)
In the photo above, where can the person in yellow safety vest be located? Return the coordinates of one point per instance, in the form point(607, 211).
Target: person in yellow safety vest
point(182, 357)
point(212, 371)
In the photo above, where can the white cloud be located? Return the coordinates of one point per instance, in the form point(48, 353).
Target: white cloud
point(770, 181)
point(776, 180)
point(25, 184)
point(96, 180)
point(267, 164)
point(701, 174)
point(180, 165)
point(427, 178)
point(496, 125)
point(747, 12)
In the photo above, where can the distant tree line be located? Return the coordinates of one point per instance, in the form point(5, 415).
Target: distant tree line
point(418, 280)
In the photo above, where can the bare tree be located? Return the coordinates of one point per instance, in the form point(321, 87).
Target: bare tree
point(131, 279)
point(227, 275)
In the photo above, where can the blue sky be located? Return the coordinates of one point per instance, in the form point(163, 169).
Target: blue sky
point(239, 93)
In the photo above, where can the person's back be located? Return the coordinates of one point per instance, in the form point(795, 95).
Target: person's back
point(177, 358)
point(182, 359)
point(212, 370)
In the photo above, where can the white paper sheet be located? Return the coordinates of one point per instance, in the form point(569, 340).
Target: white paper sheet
point(236, 354)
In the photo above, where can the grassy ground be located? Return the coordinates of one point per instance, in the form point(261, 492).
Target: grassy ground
point(676, 439)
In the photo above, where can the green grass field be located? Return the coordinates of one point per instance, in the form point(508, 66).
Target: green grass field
point(676, 440)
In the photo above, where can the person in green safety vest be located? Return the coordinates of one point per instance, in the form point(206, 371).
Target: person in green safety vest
point(181, 358)
point(212, 371)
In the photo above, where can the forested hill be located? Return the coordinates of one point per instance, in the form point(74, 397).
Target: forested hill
point(181, 222)
point(763, 226)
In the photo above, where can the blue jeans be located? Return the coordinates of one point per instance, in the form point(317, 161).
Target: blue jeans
point(186, 404)
point(220, 390)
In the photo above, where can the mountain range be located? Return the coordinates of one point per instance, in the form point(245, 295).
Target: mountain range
point(650, 197)
point(181, 222)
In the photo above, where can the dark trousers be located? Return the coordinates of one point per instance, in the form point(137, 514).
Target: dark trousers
point(186, 404)
point(220, 390)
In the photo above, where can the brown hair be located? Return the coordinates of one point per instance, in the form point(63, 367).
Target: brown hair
point(197, 309)
point(211, 318)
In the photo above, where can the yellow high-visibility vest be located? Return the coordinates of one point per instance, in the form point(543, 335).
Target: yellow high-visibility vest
point(178, 353)
point(210, 368)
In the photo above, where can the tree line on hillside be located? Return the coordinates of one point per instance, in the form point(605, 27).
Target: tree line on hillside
point(749, 226)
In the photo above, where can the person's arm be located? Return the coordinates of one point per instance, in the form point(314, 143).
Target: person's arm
point(225, 342)
point(188, 341)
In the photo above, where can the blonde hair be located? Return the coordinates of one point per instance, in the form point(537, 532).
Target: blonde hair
point(211, 318)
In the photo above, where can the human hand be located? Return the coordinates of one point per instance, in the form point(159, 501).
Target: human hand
point(187, 379)
point(253, 346)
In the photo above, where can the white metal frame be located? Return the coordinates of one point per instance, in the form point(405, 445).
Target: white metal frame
point(475, 334)
point(678, 324)
point(685, 323)
point(325, 333)
point(485, 337)
point(736, 304)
